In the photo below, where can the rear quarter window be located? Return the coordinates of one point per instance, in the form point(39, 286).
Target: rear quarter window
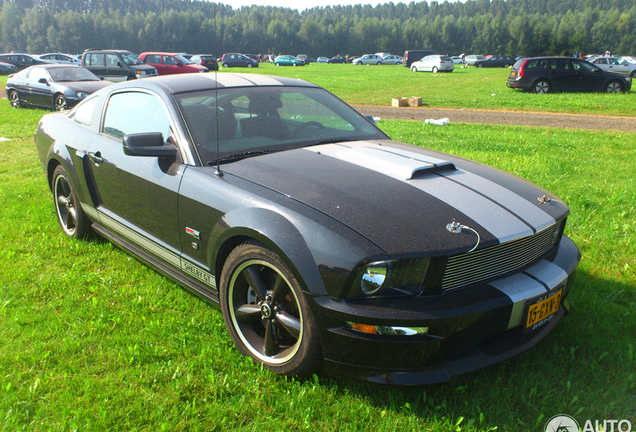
point(537, 64)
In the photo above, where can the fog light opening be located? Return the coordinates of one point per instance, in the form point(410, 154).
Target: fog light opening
point(387, 330)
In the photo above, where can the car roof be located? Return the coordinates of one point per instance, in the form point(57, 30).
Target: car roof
point(160, 53)
point(197, 82)
point(54, 66)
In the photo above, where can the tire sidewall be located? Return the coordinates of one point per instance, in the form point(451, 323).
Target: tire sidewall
point(304, 361)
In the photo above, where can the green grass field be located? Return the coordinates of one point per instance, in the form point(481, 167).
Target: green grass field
point(92, 340)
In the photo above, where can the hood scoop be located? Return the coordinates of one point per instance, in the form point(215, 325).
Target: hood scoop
point(393, 162)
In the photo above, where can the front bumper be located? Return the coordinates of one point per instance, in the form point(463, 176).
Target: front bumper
point(468, 328)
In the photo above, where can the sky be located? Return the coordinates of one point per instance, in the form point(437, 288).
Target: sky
point(306, 4)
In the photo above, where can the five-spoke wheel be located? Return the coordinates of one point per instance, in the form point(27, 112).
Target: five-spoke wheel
point(14, 98)
point(541, 87)
point(614, 87)
point(266, 312)
point(60, 103)
point(70, 215)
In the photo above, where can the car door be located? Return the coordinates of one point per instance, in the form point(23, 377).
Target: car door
point(561, 75)
point(588, 77)
point(171, 65)
point(155, 61)
point(96, 63)
point(116, 68)
point(137, 196)
point(40, 93)
point(618, 65)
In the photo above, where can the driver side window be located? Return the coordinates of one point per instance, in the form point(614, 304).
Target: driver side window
point(135, 112)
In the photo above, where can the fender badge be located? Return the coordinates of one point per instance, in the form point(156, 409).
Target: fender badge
point(193, 233)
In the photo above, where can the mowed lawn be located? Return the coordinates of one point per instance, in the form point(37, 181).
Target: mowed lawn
point(93, 340)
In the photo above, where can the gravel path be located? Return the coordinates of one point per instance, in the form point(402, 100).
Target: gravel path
point(572, 121)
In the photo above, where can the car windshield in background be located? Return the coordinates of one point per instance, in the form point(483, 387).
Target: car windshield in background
point(71, 74)
point(131, 59)
point(254, 120)
point(182, 59)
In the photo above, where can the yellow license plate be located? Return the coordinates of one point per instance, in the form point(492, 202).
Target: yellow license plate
point(543, 308)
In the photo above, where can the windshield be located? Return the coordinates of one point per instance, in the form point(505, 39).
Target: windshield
point(182, 59)
point(256, 120)
point(131, 59)
point(70, 74)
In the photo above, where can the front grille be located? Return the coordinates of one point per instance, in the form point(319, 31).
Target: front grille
point(489, 263)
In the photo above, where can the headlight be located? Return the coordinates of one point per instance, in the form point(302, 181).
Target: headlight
point(374, 276)
point(82, 95)
point(391, 278)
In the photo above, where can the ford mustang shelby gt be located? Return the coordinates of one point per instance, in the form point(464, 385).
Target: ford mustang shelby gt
point(322, 241)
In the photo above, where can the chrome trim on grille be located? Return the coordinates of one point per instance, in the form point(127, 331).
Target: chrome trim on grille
point(484, 264)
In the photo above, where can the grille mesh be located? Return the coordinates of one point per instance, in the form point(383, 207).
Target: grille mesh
point(481, 265)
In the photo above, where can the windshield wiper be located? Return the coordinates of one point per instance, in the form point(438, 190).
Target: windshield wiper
point(238, 156)
point(335, 141)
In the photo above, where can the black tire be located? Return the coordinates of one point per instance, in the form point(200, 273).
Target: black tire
point(379, 63)
point(294, 64)
point(614, 87)
point(68, 209)
point(434, 70)
point(14, 98)
point(277, 64)
point(130, 78)
point(479, 65)
point(59, 103)
point(541, 86)
point(266, 312)
point(506, 65)
point(633, 74)
point(414, 68)
point(250, 65)
point(225, 65)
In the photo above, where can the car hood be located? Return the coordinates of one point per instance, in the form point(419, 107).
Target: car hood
point(86, 86)
point(403, 198)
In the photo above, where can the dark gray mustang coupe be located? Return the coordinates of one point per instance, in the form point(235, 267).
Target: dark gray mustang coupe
point(322, 241)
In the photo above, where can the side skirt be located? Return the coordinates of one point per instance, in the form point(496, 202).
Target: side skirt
point(205, 293)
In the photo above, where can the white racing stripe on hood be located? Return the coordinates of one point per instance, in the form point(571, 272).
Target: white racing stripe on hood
point(379, 159)
point(490, 205)
point(504, 197)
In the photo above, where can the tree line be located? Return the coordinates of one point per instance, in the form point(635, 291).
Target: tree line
point(513, 27)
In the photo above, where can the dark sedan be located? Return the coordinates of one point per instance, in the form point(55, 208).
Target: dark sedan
point(322, 241)
point(21, 60)
point(556, 74)
point(495, 61)
point(337, 59)
point(207, 60)
point(55, 86)
point(7, 68)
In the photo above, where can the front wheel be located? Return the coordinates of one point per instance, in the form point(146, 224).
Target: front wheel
point(479, 65)
point(541, 87)
point(614, 87)
point(266, 312)
point(14, 98)
point(60, 103)
point(70, 215)
point(249, 65)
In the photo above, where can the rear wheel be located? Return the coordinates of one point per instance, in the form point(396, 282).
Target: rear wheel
point(435, 69)
point(479, 65)
point(70, 215)
point(277, 64)
point(541, 87)
point(225, 65)
point(414, 68)
point(14, 98)
point(614, 87)
point(266, 312)
point(379, 63)
point(633, 74)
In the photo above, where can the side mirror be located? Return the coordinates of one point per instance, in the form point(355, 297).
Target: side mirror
point(119, 64)
point(43, 81)
point(369, 117)
point(148, 144)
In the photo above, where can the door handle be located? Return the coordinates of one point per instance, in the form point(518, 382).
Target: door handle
point(96, 157)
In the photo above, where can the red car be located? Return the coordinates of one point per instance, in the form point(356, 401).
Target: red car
point(170, 63)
